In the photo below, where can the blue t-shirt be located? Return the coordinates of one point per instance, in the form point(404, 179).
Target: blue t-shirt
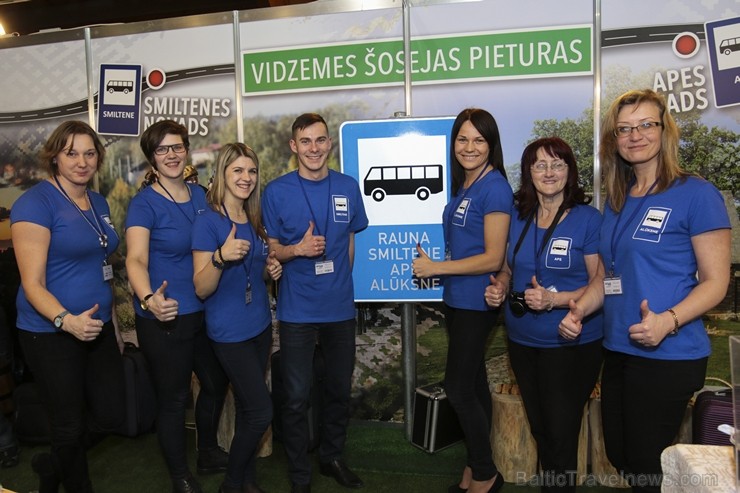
point(229, 318)
point(654, 257)
point(463, 219)
point(170, 228)
point(335, 206)
point(74, 262)
point(561, 267)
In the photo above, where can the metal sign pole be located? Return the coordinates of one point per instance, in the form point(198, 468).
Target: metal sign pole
point(408, 334)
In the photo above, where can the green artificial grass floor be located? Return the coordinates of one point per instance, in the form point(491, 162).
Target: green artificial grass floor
point(378, 452)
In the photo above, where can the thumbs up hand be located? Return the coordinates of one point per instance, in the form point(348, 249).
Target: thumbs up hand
point(652, 328)
point(165, 309)
point(234, 249)
point(422, 266)
point(83, 326)
point(537, 297)
point(572, 324)
point(495, 292)
point(273, 266)
point(311, 245)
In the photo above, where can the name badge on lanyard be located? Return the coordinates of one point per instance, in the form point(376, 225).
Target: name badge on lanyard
point(612, 285)
point(324, 267)
point(248, 294)
point(107, 272)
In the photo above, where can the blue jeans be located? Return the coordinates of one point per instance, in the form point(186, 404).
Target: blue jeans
point(297, 345)
point(76, 378)
point(245, 364)
point(466, 384)
point(174, 350)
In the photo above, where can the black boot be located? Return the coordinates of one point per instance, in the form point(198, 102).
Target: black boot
point(9, 457)
point(43, 465)
point(188, 484)
point(212, 460)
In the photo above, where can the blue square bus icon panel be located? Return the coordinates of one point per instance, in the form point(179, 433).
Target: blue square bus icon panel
point(119, 96)
point(723, 46)
point(402, 167)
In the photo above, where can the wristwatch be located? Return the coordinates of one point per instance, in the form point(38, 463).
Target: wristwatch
point(145, 302)
point(59, 319)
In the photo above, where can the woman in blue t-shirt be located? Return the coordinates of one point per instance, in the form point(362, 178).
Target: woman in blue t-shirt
point(665, 246)
point(169, 315)
point(62, 237)
point(476, 223)
point(231, 264)
point(552, 256)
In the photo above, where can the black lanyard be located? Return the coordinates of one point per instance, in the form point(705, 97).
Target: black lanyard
point(97, 227)
point(190, 195)
point(548, 234)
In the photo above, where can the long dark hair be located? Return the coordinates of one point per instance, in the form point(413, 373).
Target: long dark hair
point(526, 197)
point(484, 123)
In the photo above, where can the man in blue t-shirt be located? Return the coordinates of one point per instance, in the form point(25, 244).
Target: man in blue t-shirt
point(311, 216)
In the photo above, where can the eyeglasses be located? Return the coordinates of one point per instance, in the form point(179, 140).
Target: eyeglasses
point(555, 166)
point(162, 150)
point(642, 128)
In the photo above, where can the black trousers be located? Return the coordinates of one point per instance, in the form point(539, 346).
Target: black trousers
point(466, 384)
point(77, 379)
point(246, 363)
point(174, 350)
point(643, 402)
point(555, 384)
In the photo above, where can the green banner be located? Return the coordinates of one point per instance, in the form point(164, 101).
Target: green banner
point(564, 51)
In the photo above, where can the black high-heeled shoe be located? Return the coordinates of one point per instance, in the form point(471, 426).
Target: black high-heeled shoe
point(498, 483)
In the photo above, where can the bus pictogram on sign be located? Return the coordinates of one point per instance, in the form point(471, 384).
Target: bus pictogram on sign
point(419, 180)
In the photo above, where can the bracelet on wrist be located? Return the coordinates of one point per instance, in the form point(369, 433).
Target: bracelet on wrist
point(675, 322)
point(218, 265)
point(550, 301)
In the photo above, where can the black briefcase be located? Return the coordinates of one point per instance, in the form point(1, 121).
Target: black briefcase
point(435, 423)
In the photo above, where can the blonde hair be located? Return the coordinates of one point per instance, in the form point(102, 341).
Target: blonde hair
point(617, 172)
point(216, 193)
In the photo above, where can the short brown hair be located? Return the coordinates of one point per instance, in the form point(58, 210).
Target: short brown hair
point(306, 120)
point(156, 133)
point(57, 142)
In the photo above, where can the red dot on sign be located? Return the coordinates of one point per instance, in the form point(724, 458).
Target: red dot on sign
point(155, 78)
point(686, 45)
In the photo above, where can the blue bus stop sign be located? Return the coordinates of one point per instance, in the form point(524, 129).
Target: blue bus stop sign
point(402, 166)
point(723, 47)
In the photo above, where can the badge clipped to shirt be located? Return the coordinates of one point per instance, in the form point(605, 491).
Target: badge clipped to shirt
point(107, 272)
point(248, 294)
point(324, 267)
point(612, 285)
